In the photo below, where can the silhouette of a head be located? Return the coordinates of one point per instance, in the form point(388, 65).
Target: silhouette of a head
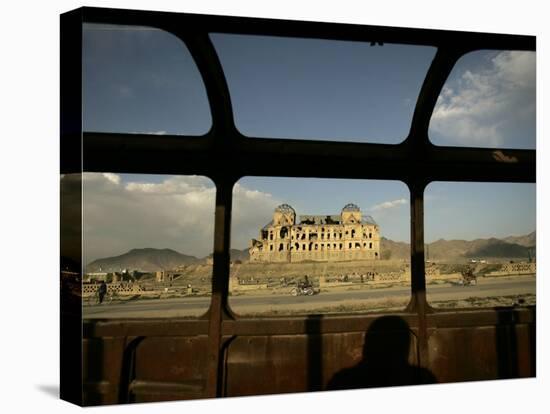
point(385, 359)
point(388, 337)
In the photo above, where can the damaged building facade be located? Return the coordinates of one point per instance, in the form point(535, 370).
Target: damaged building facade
point(347, 236)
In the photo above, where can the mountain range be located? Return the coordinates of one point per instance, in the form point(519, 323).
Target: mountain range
point(150, 259)
point(146, 260)
point(508, 247)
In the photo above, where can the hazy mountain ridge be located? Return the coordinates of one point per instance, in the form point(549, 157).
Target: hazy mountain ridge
point(511, 246)
point(390, 249)
point(150, 259)
point(146, 260)
point(528, 240)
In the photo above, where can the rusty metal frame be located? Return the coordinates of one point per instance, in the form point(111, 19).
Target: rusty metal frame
point(225, 155)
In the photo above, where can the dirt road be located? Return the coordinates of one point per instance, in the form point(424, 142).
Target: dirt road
point(343, 300)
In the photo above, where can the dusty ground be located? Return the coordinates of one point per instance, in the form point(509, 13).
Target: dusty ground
point(465, 297)
point(489, 292)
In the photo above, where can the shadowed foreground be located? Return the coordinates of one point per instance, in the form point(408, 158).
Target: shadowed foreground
point(385, 359)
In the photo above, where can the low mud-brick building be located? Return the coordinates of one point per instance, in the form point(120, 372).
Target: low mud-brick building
point(347, 236)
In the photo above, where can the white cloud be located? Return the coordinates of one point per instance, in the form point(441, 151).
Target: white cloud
point(252, 209)
point(171, 185)
point(388, 204)
point(481, 107)
point(177, 212)
point(115, 179)
point(150, 132)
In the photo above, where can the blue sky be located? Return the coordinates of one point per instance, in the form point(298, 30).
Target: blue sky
point(141, 80)
point(144, 80)
point(488, 101)
point(469, 211)
point(322, 89)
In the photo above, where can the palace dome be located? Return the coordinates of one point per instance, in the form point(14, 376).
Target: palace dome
point(351, 207)
point(285, 208)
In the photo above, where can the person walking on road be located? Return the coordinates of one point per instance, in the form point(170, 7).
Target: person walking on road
point(102, 291)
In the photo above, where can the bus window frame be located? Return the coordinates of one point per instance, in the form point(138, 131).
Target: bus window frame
point(224, 155)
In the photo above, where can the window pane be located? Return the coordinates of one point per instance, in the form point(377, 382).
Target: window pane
point(347, 239)
point(322, 89)
point(488, 101)
point(481, 244)
point(141, 80)
point(150, 239)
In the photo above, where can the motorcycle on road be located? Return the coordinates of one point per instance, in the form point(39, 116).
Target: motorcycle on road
point(302, 291)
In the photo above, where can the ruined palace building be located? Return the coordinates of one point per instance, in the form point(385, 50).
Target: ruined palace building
point(347, 236)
